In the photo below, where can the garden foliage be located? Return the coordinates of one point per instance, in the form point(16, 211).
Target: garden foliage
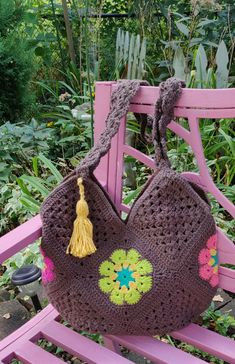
point(16, 63)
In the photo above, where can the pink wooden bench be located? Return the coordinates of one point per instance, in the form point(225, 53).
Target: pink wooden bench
point(21, 344)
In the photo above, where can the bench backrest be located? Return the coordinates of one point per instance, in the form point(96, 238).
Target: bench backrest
point(193, 105)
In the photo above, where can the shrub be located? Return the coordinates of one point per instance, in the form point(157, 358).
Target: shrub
point(16, 63)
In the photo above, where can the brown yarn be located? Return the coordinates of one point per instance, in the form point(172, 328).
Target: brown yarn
point(169, 224)
point(120, 101)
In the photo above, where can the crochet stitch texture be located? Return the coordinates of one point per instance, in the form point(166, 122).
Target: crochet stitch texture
point(169, 225)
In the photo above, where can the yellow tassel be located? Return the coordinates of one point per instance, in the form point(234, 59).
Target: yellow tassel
point(81, 243)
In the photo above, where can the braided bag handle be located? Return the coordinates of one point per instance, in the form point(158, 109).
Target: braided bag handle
point(170, 91)
point(120, 101)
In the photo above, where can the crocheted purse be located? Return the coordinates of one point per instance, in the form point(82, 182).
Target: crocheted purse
point(152, 273)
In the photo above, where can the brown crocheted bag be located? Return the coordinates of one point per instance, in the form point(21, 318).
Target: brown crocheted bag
point(152, 273)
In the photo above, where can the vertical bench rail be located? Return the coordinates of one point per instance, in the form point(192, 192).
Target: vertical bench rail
point(102, 105)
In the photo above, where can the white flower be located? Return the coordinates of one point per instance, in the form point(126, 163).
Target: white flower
point(64, 96)
point(75, 113)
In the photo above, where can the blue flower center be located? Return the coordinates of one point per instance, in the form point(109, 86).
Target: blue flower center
point(125, 277)
point(216, 260)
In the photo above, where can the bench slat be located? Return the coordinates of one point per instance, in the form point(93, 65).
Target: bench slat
point(29, 329)
point(80, 346)
point(20, 237)
point(155, 350)
point(143, 158)
point(187, 112)
point(194, 98)
point(32, 354)
point(227, 279)
point(226, 248)
point(209, 341)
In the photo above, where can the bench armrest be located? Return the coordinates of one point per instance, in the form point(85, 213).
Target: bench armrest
point(20, 237)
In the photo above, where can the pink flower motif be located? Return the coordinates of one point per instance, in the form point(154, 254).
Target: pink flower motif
point(211, 242)
point(214, 281)
point(208, 261)
point(47, 276)
point(47, 272)
point(204, 256)
point(49, 264)
point(205, 272)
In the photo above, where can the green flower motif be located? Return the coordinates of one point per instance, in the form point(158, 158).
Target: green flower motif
point(125, 277)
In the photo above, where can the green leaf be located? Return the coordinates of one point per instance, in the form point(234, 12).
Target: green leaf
point(35, 165)
point(195, 41)
point(40, 51)
point(131, 56)
point(31, 204)
point(47, 88)
point(19, 260)
point(222, 62)
point(206, 22)
point(211, 44)
point(23, 187)
point(3, 165)
point(201, 66)
point(126, 46)
point(142, 60)
point(229, 140)
point(118, 39)
point(210, 78)
point(182, 28)
point(73, 92)
point(132, 195)
point(71, 138)
point(36, 183)
point(215, 147)
point(58, 176)
point(179, 64)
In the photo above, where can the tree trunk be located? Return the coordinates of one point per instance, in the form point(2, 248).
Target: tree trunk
point(69, 32)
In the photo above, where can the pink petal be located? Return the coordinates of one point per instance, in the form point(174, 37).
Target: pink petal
point(204, 256)
point(44, 277)
point(47, 276)
point(205, 272)
point(211, 242)
point(50, 276)
point(214, 281)
point(49, 263)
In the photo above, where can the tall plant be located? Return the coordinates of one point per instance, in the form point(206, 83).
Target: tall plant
point(130, 64)
point(203, 74)
point(130, 55)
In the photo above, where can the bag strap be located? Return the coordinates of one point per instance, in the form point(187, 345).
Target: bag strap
point(120, 102)
point(170, 91)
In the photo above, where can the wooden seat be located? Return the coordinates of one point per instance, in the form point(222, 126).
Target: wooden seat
point(22, 344)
